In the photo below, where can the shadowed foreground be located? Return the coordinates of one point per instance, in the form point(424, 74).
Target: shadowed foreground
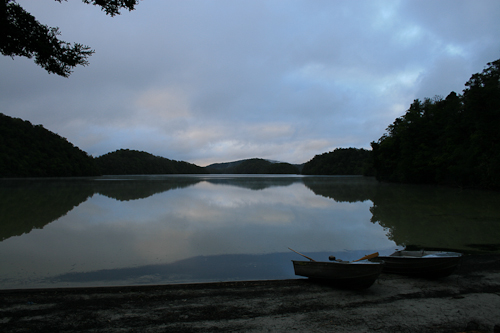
point(468, 300)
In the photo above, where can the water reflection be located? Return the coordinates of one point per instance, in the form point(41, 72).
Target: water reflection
point(241, 267)
point(28, 204)
point(254, 183)
point(131, 188)
point(170, 229)
point(31, 204)
point(343, 188)
point(436, 217)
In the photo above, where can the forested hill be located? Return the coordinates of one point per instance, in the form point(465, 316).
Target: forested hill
point(341, 161)
point(253, 166)
point(453, 141)
point(133, 162)
point(28, 150)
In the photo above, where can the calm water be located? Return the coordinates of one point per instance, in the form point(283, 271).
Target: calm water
point(175, 229)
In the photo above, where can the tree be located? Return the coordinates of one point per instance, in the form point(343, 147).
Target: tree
point(133, 162)
point(341, 161)
point(22, 35)
point(28, 150)
point(451, 141)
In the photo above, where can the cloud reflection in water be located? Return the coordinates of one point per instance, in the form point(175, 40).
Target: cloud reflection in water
point(208, 219)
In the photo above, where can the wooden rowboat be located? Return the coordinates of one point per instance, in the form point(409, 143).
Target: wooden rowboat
point(429, 264)
point(345, 274)
point(357, 274)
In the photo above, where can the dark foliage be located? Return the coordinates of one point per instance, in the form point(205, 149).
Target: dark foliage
point(341, 161)
point(28, 150)
point(22, 35)
point(133, 162)
point(253, 166)
point(452, 141)
point(112, 7)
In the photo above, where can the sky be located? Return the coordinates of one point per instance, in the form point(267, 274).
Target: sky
point(208, 81)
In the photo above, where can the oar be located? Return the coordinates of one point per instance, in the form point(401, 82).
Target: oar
point(302, 254)
point(373, 255)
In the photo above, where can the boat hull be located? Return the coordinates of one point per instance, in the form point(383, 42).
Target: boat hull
point(341, 274)
point(428, 264)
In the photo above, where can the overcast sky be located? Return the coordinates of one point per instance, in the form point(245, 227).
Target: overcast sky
point(209, 81)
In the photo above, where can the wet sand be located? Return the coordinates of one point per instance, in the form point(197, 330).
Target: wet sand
point(467, 301)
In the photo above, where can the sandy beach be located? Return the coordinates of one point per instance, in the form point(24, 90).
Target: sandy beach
point(467, 301)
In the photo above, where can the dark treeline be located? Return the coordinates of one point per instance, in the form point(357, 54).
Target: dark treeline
point(133, 162)
point(341, 161)
point(253, 166)
point(452, 141)
point(28, 150)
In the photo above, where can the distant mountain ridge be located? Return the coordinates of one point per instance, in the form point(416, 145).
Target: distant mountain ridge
point(133, 162)
point(253, 166)
point(224, 165)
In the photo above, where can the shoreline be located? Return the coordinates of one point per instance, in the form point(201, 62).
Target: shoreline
point(466, 301)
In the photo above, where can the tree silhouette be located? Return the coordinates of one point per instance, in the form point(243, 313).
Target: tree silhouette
point(452, 141)
point(22, 35)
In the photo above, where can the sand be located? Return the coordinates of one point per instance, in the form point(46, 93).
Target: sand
point(467, 301)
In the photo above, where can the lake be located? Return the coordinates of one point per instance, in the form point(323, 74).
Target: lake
point(131, 230)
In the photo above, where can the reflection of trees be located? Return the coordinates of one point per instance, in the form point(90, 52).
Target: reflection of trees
point(29, 204)
point(133, 189)
point(436, 217)
point(424, 216)
point(254, 183)
point(343, 189)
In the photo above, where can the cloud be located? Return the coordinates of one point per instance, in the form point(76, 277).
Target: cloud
point(163, 104)
point(212, 81)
